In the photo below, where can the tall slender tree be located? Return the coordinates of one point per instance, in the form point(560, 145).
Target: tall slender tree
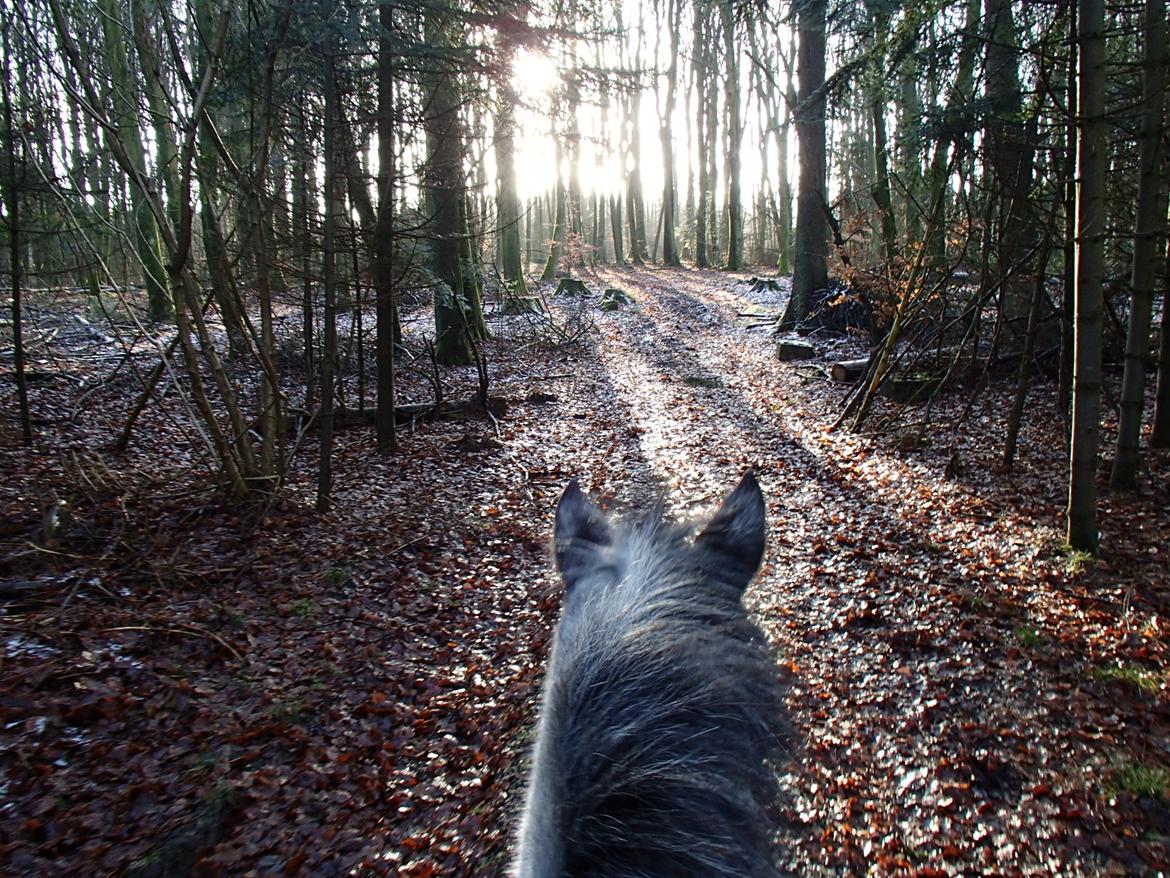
point(13, 184)
point(458, 315)
point(734, 215)
point(1148, 239)
point(383, 238)
point(666, 138)
point(514, 295)
point(334, 208)
point(123, 106)
point(1009, 159)
point(1091, 229)
point(811, 246)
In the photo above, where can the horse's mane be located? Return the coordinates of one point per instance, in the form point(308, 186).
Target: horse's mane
point(661, 710)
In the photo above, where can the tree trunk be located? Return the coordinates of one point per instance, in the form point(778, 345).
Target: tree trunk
point(446, 188)
point(810, 273)
point(1069, 174)
point(155, 92)
point(303, 225)
point(333, 211)
point(1160, 434)
point(514, 292)
point(635, 208)
point(1024, 376)
point(909, 144)
point(881, 161)
point(1091, 230)
point(666, 137)
point(125, 112)
point(635, 204)
point(12, 195)
point(734, 135)
point(1147, 238)
point(958, 135)
point(784, 190)
point(702, 73)
point(558, 236)
point(1010, 151)
point(382, 260)
point(615, 224)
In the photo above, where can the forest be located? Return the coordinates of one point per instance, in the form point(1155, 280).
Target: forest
point(313, 309)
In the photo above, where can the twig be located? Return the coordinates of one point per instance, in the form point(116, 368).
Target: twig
point(405, 545)
point(190, 632)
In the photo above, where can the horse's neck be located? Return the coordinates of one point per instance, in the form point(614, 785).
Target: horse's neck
point(542, 848)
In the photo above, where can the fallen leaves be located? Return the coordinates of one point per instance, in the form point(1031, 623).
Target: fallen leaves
point(965, 699)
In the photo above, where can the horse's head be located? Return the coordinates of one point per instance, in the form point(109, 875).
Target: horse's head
point(661, 705)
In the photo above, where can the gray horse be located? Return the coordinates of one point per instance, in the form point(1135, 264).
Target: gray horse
point(661, 707)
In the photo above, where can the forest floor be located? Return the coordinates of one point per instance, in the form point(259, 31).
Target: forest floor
point(271, 691)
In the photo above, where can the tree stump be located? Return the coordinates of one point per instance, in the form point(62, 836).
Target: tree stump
point(570, 286)
point(762, 284)
point(614, 299)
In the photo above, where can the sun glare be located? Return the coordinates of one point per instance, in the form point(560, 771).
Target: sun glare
point(534, 75)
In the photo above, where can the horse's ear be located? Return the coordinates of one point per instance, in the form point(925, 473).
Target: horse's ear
point(580, 527)
point(736, 530)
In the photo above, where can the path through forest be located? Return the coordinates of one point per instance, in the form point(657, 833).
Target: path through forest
point(928, 737)
point(353, 693)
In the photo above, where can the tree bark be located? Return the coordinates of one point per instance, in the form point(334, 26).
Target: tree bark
point(1091, 230)
point(1024, 376)
point(514, 294)
point(1069, 199)
point(703, 90)
point(1160, 434)
point(958, 135)
point(557, 238)
point(881, 160)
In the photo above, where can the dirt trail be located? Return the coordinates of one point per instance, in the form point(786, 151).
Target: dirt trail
point(924, 734)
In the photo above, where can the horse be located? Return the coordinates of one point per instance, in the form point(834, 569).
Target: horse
point(661, 715)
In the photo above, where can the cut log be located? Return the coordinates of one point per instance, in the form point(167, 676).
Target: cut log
point(23, 588)
point(403, 414)
point(846, 371)
point(425, 411)
point(787, 349)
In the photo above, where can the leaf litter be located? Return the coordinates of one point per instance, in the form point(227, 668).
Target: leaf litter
point(291, 693)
